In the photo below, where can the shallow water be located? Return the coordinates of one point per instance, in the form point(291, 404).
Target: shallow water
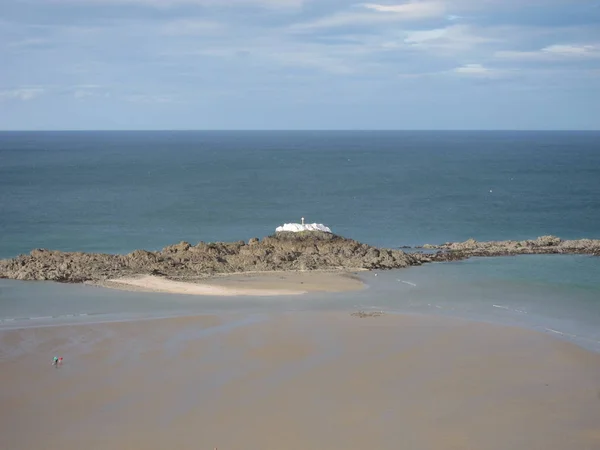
point(118, 191)
point(561, 297)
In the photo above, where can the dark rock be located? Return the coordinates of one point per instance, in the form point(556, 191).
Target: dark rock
point(541, 245)
point(311, 250)
point(282, 251)
point(181, 247)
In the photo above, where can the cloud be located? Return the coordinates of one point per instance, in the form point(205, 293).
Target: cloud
point(423, 36)
point(23, 94)
point(411, 10)
point(374, 13)
point(472, 69)
point(478, 71)
point(82, 91)
point(581, 50)
point(78, 91)
point(554, 53)
point(452, 38)
point(276, 53)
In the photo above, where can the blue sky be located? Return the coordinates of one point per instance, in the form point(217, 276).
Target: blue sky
point(299, 64)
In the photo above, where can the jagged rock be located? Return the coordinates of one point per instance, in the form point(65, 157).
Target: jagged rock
point(311, 250)
point(547, 241)
point(282, 251)
point(541, 245)
point(181, 247)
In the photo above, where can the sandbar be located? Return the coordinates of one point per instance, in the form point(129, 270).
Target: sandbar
point(264, 284)
point(296, 381)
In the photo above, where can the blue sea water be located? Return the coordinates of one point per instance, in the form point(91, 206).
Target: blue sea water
point(119, 191)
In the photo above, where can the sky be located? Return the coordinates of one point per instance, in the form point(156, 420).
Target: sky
point(299, 64)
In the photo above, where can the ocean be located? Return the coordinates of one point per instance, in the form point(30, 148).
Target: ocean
point(116, 192)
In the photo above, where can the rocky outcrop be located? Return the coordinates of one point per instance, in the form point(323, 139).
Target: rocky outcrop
point(541, 245)
point(312, 250)
point(282, 251)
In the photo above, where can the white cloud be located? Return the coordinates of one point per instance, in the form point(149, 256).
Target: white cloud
point(581, 50)
point(472, 69)
point(554, 53)
point(373, 14)
point(466, 71)
point(479, 71)
point(410, 10)
point(452, 38)
point(82, 91)
point(420, 37)
point(23, 94)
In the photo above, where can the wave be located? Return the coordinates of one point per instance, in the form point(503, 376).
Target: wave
point(62, 316)
point(520, 311)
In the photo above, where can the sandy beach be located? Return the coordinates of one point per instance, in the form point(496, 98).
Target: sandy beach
point(264, 284)
point(296, 381)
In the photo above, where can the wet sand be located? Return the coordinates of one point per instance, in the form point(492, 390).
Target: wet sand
point(296, 381)
point(247, 284)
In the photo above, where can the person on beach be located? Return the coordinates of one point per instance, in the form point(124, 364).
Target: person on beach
point(57, 361)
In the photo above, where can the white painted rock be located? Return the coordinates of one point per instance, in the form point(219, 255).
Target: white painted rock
point(298, 227)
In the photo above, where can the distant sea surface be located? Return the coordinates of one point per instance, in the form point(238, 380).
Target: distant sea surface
point(119, 191)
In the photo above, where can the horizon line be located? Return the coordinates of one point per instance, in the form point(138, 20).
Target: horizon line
point(299, 130)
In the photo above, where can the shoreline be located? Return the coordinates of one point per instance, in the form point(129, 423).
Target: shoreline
point(389, 291)
point(259, 284)
point(95, 319)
